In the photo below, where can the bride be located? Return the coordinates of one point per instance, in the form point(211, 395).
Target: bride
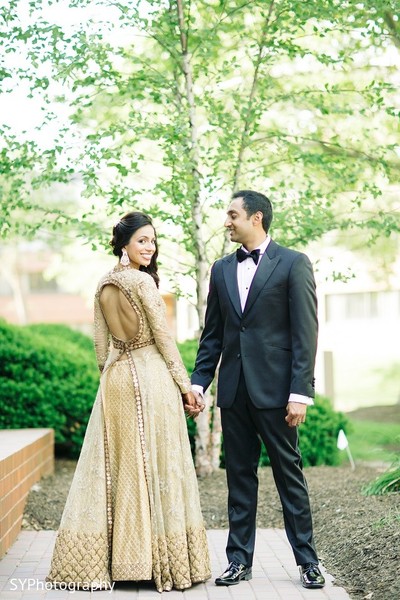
point(133, 510)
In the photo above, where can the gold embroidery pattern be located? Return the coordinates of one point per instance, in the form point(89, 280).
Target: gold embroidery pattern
point(131, 535)
point(131, 345)
point(101, 336)
point(138, 571)
point(80, 558)
point(139, 411)
point(182, 560)
point(108, 492)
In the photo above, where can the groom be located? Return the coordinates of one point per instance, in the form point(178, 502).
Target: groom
point(261, 321)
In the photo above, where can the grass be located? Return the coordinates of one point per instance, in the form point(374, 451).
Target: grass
point(387, 482)
point(372, 441)
point(392, 518)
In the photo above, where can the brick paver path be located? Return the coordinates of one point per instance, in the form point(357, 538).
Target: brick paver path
point(275, 575)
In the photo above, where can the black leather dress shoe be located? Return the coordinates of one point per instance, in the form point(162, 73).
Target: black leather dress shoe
point(234, 573)
point(311, 577)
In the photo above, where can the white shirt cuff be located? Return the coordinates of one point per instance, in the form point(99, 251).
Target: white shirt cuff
point(301, 399)
point(198, 388)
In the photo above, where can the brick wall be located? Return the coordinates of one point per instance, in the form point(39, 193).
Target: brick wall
point(25, 456)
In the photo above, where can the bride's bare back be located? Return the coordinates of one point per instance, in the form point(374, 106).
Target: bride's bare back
point(121, 319)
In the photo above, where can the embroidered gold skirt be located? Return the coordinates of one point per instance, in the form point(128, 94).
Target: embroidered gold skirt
point(133, 511)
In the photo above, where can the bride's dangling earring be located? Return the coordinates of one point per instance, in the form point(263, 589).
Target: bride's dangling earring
point(124, 260)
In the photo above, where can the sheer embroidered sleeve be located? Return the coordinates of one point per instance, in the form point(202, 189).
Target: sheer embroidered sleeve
point(155, 310)
point(101, 334)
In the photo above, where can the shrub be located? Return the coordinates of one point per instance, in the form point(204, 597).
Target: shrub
point(63, 334)
point(318, 435)
point(188, 351)
point(48, 378)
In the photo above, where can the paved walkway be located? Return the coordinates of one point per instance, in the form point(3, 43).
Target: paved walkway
point(275, 575)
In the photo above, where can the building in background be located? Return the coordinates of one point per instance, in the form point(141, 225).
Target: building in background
point(358, 360)
point(359, 349)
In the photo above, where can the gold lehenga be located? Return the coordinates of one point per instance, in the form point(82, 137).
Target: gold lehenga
point(133, 511)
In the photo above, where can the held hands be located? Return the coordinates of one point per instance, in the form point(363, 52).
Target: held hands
point(193, 404)
point(296, 413)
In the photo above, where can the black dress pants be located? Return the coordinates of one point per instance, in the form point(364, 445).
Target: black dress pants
point(243, 425)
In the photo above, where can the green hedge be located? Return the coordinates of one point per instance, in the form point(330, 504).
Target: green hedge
point(57, 332)
point(48, 378)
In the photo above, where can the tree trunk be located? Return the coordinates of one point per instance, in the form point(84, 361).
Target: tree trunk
point(203, 460)
point(11, 271)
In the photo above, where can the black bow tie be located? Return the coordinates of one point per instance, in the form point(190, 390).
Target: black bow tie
point(241, 255)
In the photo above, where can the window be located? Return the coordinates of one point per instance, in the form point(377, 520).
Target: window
point(362, 305)
point(5, 288)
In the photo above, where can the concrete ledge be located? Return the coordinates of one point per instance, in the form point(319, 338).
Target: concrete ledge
point(25, 456)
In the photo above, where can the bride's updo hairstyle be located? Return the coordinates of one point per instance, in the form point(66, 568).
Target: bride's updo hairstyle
point(122, 233)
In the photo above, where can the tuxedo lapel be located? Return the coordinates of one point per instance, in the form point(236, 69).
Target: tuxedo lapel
point(265, 269)
point(230, 276)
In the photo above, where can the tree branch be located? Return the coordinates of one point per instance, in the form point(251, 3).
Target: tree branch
point(201, 266)
point(247, 122)
point(393, 27)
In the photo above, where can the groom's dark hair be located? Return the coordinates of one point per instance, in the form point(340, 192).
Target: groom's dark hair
point(254, 202)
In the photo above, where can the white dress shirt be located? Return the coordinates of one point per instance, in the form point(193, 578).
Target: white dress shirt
point(245, 274)
point(246, 271)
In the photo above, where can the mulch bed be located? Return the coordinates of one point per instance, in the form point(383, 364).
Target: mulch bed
point(357, 536)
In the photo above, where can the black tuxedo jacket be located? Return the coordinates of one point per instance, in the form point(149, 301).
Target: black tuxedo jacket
point(273, 340)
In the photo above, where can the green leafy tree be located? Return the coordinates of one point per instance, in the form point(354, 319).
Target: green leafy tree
point(175, 104)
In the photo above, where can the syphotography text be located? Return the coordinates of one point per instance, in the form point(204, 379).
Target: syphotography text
point(30, 583)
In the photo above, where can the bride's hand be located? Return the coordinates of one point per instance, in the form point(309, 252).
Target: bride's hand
point(190, 404)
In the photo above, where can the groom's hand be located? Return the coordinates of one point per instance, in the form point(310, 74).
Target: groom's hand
point(296, 413)
point(199, 400)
